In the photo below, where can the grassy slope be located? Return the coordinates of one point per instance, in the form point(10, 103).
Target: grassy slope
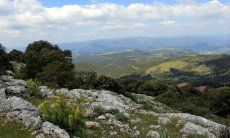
point(189, 63)
point(9, 129)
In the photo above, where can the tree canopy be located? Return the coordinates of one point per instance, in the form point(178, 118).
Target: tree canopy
point(4, 61)
point(48, 63)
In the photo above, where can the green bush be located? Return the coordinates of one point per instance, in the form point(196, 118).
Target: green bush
point(122, 118)
point(219, 102)
point(4, 60)
point(62, 113)
point(153, 88)
point(33, 88)
point(49, 64)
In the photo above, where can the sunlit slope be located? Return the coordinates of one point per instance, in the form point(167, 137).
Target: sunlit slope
point(190, 63)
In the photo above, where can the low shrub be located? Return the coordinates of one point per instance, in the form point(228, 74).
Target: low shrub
point(62, 113)
point(113, 111)
point(33, 88)
point(99, 110)
point(122, 118)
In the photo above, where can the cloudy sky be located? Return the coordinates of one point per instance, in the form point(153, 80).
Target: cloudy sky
point(24, 21)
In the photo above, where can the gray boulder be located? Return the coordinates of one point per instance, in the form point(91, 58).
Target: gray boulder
point(17, 103)
point(10, 73)
point(3, 102)
point(109, 101)
point(16, 82)
point(6, 78)
point(54, 131)
point(2, 93)
point(45, 91)
point(15, 89)
point(4, 106)
point(153, 134)
point(184, 117)
point(191, 128)
point(163, 120)
point(30, 119)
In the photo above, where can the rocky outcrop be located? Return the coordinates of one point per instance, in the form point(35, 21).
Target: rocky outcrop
point(14, 86)
point(17, 103)
point(104, 99)
point(184, 117)
point(163, 120)
point(119, 114)
point(191, 128)
point(45, 91)
point(18, 109)
point(53, 131)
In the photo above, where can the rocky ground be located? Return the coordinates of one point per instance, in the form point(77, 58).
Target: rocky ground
point(109, 114)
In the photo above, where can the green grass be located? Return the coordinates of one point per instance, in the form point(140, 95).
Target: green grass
point(122, 118)
point(9, 129)
point(34, 100)
point(184, 64)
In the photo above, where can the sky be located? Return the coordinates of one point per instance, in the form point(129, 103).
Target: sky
point(59, 21)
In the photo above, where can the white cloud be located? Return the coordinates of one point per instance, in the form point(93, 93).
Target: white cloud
point(26, 16)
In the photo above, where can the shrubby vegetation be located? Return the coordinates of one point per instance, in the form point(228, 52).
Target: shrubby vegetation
point(48, 63)
point(185, 99)
point(62, 113)
point(33, 89)
point(90, 80)
point(15, 55)
point(4, 61)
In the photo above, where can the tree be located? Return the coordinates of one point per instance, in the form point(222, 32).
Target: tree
point(219, 101)
point(58, 73)
point(86, 80)
point(15, 55)
point(49, 64)
point(109, 84)
point(153, 88)
point(4, 61)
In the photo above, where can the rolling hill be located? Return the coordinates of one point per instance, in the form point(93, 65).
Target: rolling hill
point(218, 44)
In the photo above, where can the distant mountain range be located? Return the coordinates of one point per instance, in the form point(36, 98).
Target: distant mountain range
point(220, 44)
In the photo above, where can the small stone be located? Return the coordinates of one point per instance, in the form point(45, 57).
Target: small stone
point(113, 133)
point(91, 124)
point(101, 117)
point(40, 136)
point(153, 134)
point(163, 121)
point(154, 126)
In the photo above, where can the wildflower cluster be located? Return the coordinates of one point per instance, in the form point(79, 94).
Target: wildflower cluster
point(33, 88)
point(60, 112)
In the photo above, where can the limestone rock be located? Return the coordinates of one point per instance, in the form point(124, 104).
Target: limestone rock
point(54, 131)
point(184, 117)
point(153, 134)
point(4, 105)
point(16, 82)
point(6, 78)
point(17, 103)
point(163, 120)
point(2, 93)
point(101, 117)
point(15, 89)
point(91, 124)
point(108, 101)
point(45, 91)
point(191, 128)
point(41, 136)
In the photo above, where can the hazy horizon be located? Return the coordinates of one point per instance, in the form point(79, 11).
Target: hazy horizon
point(25, 21)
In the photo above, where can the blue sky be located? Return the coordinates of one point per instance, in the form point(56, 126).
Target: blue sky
point(58, 21)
